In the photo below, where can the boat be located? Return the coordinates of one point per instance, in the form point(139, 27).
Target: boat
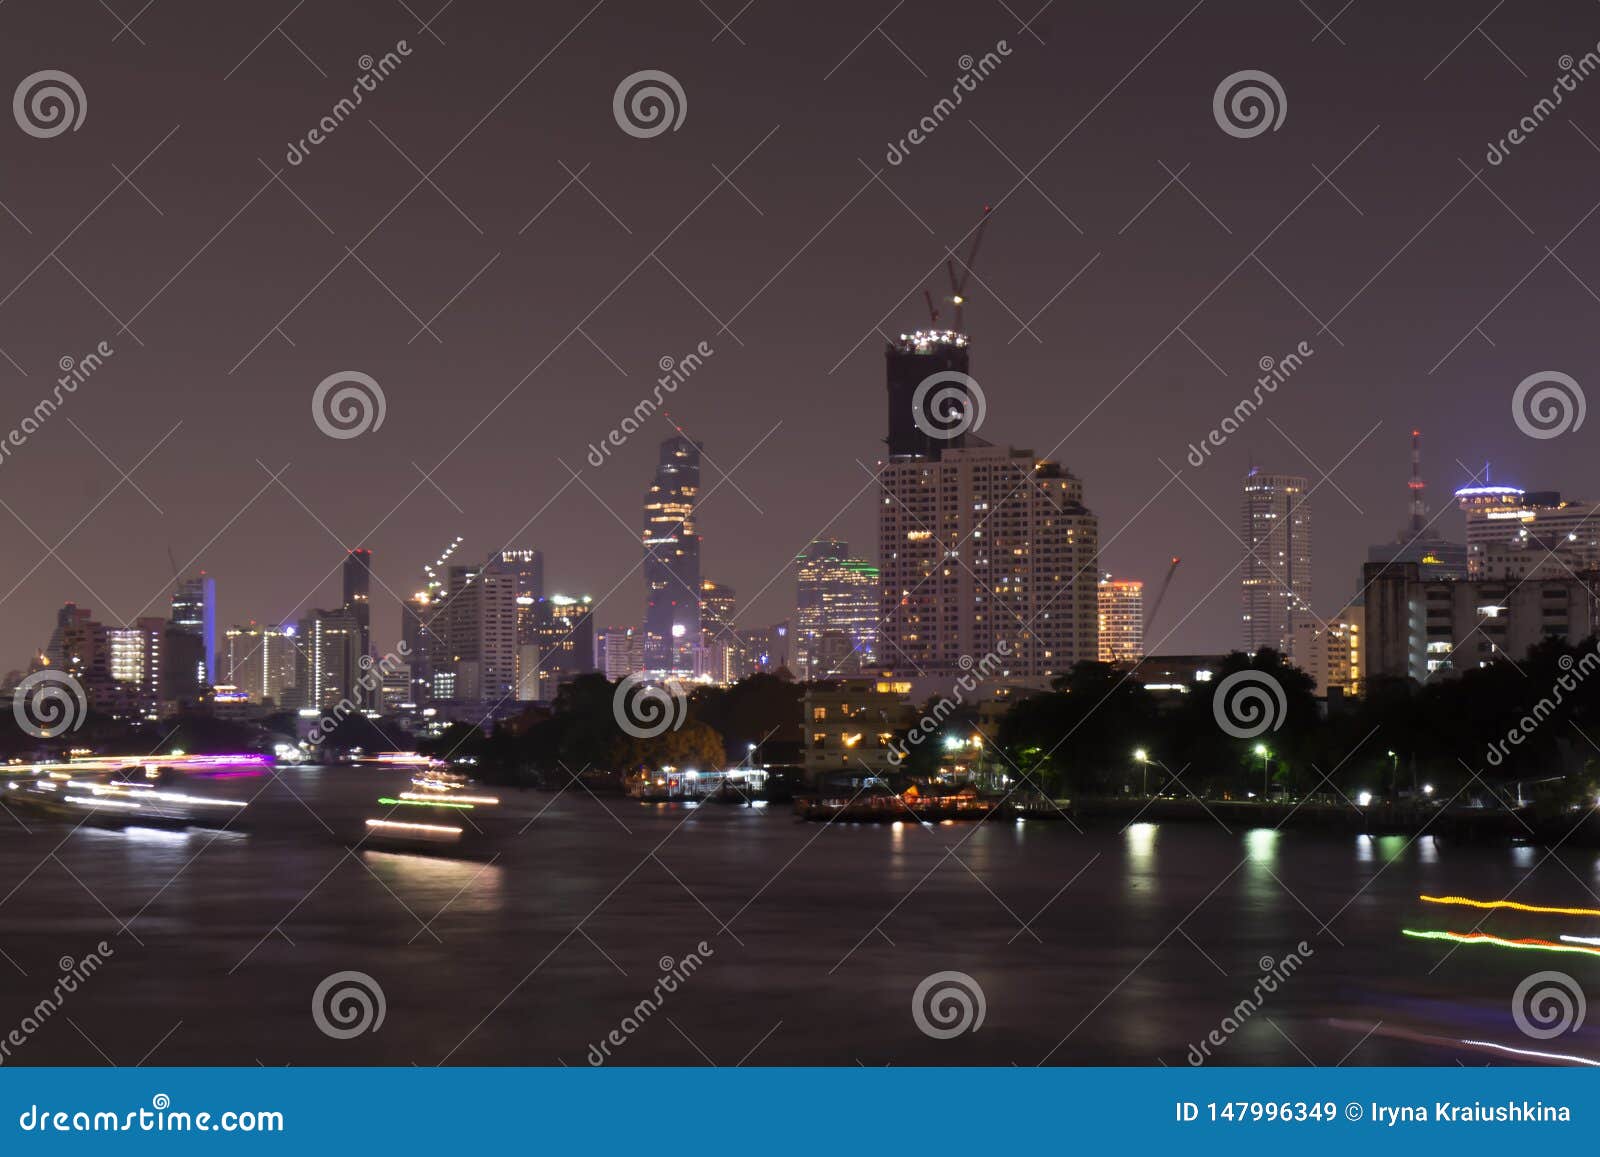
point(432, 819)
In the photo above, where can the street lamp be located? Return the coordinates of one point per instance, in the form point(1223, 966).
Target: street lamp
point(1266, 757)
point(1143, 758)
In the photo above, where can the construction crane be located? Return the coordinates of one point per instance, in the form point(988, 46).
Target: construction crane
point(1166, 583)
point(958, 281)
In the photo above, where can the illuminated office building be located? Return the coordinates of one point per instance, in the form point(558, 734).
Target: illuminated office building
point(261, 661)
point(721, 653)
point(358, 595)
point(1275, 577)
point(672, 560)
point(194, 613)
point(481, 632)
point(562, 646)
point(1121, 604)
point(327, 658)
point(983, 546)
point(836, 612)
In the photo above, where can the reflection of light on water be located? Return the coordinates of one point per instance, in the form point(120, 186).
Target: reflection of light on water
point(1427, 850)
point(1522, 855)
point(1261, 845)
point(1390, 847)
point(140, 835)
point(1363, 848)
point(480, 886)
point(1140, 841)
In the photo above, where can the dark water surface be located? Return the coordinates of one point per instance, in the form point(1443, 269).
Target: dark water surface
point(819, 936)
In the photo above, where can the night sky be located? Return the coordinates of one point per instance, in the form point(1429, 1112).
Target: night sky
point(553, 299)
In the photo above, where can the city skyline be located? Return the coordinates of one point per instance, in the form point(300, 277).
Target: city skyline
point(509, 353)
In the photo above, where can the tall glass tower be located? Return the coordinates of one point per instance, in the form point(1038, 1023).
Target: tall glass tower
point(672, 559)
point(1275, 578)
point(194, 613)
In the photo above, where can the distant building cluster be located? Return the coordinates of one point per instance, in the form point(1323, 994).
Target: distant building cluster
point(986, 585)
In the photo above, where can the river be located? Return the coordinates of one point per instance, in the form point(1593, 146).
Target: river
point(1126, 947)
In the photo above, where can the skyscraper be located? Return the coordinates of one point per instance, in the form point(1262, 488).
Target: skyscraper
point(672, 559)
point(133, 665)
point(327, 658)
point(422, 627)
point(358, 594)
point(721, 651)
point(194, 613)
point(620, 652)
point(836, 612)
point(984, 550)
point(983, 546)
point(527, 570)
point(1275, 577)
point(927, 376)
point(1121, 620)
point(481, 631)
point(562, 646)
point(261, 661)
